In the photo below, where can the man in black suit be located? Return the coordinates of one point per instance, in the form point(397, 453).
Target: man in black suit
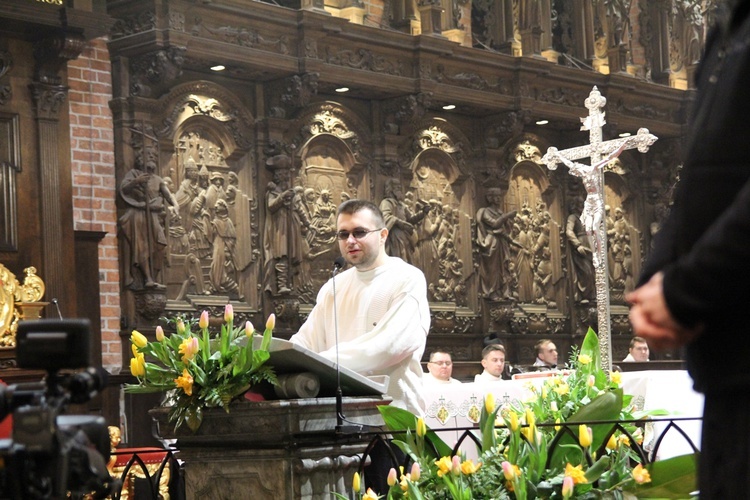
point(696, 282)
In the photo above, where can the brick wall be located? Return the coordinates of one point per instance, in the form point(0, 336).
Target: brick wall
point(94, 190)
point(374, 10)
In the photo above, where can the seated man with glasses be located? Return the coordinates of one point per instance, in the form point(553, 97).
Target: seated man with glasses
point(440, 369)
point(381, 304)
point(493, 362)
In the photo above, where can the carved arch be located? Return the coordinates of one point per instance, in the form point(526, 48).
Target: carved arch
point(521, 166)
point(327, 163)
point(439, 134)
point(330, 118)
point(211, 101)
point(528, 183)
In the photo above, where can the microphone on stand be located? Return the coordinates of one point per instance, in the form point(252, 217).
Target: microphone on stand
point(57, 306)
point(340, 417)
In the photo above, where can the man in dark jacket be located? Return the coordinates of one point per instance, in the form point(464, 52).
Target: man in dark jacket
point(696, 282)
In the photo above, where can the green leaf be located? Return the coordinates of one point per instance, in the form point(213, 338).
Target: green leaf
point(590, 347)
point(605, 407)
point(594, 472)
point(398, 419)
point(487, 427)
point(671, 478)
point(142, 389)
point(266, 339)
point(414, 491)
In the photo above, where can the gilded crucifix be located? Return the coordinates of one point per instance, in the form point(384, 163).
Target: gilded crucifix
point(601, 153)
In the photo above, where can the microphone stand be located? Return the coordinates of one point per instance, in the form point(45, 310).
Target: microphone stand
point(340, 417)
point(57, 306)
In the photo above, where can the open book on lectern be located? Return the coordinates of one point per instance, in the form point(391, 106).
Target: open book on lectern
point(288, 358)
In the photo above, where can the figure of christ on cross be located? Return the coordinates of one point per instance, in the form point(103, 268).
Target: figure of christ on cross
point(593, 207)
point(593, 212)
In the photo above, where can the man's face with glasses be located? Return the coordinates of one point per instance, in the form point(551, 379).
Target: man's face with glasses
point(441, 366)
point(361, 242)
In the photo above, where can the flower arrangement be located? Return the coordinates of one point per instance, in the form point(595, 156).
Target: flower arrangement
point(203, 371)
point(551, 446)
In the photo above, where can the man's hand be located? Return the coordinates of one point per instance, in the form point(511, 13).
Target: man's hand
point(652, 320)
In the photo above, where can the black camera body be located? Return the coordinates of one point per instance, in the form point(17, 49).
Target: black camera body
point(52, 455)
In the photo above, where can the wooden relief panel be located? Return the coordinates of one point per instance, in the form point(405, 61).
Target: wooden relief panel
point(624, 248)
point(210, 243)
point(440, 233)
point(322, 186)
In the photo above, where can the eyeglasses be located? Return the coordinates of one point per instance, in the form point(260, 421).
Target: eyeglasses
point(358, 233)
point(441, 363)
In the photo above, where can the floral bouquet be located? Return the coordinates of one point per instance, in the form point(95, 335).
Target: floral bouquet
point(575, 437)
point(205, 371)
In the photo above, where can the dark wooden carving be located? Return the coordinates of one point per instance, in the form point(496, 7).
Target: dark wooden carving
point(10, 166)
point(220, 138)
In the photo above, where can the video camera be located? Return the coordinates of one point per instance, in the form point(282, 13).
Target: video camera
point(51, 455)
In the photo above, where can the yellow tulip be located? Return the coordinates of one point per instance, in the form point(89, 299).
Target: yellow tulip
point(489, 402)
point(138, 339)
point(638, 435)
point(271, 322)
point(562, 389)
point(513, 421)
point(509, 470)
point(228, 313)
point(188, 348)
point(557, 421)
point(416, 471)
point(584, 359)
point(392, 477)
point(203, 322)
point(138, 366)
point(134, 348)
point(444, 466)
point(185, 382)
point(568, 487)
point(623, 440)
point(612, 443)
point(249, 329)
point(456, 465)
point(404, 483)
point(641, 475)
point(356, 484)
point(370, 495)
point(530, 418)
point(159, 333)
point(530, 431)
point(421, 427)
point(585, 436)
point(616, 378)
point(468, 467)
